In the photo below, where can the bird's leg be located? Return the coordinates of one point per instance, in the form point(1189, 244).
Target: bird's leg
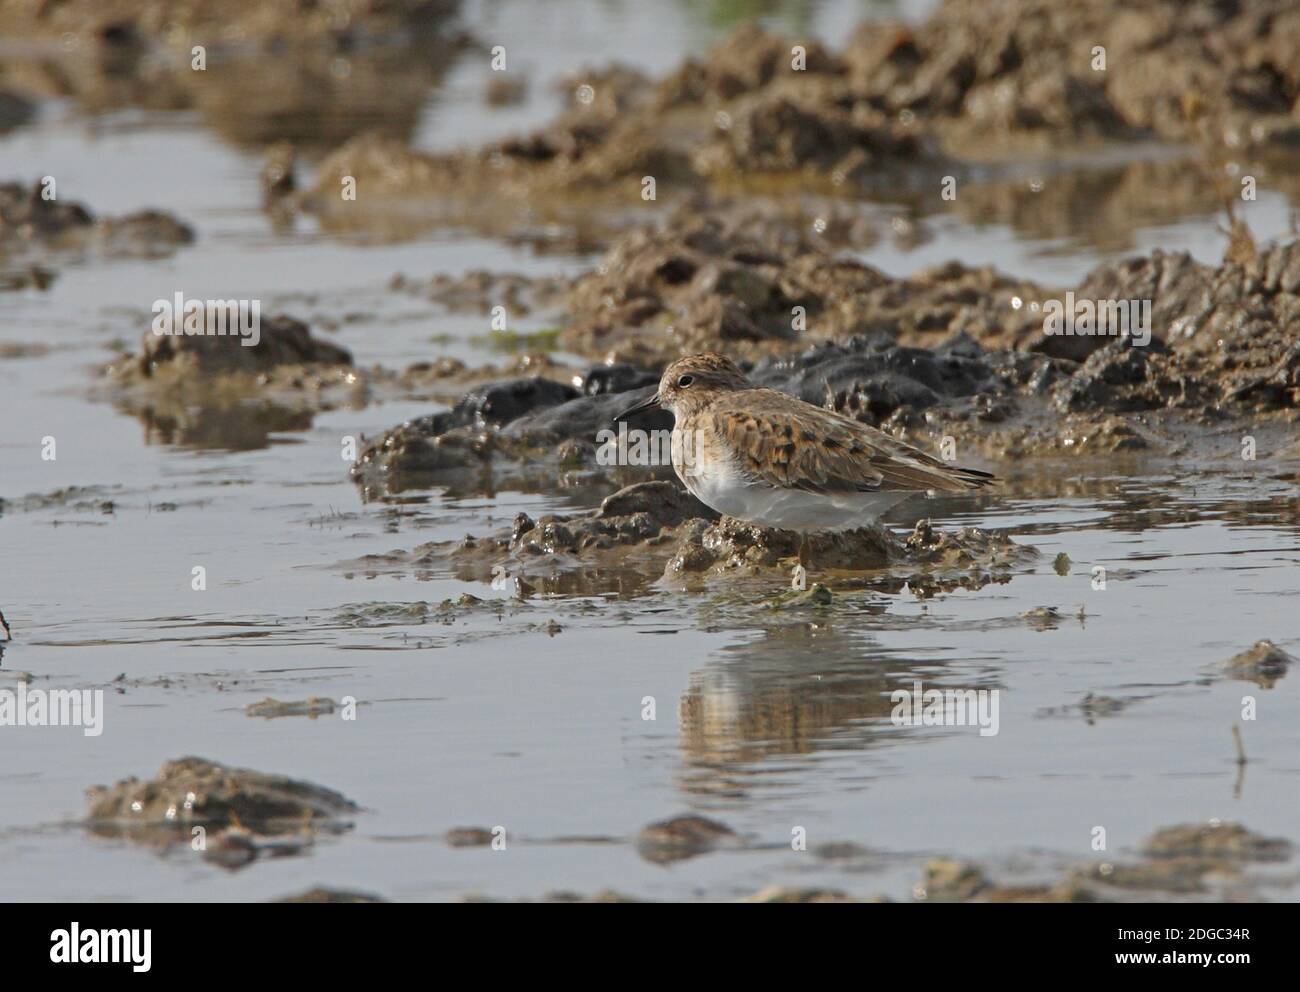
point(800, 580)
point(5, 627)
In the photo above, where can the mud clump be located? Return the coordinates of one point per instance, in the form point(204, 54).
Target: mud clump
point(244, 812)
point(775, 133)
point(500, 403)
point(197, 791)
point(751, 287)
point(469, 837)
point(786, 894)
point(616, 130)
point(953, 881)
point(270, 709)
point(949, 880)
point(283, 341)
point(732, 545)
point(15, 111)
point(966, 548)
point(1221, 336)
point(645, 513)
point(661, 528)
point(1193, 861)
point(1176, 70)
point(212, 390)
point(463, 438)
point(606, 896)
point(36, 230)
point(746, 61)
point(28, 215)
point(683, 837)
point(632, 531)
point(332, 896)
point(1197, 860)
point(1264, 664)
point(1217, 841)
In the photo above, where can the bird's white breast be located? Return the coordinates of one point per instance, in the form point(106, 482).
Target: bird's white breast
point(718, 483)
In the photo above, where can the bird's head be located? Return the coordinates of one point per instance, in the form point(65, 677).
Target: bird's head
point(689, 383)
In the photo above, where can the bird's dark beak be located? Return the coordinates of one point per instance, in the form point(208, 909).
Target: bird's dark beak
point(650, 403)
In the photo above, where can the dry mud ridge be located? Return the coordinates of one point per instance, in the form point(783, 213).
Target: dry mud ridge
point(975, 82)
point(952, 350)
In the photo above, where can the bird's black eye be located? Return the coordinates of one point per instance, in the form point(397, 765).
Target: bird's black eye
point(684, 380)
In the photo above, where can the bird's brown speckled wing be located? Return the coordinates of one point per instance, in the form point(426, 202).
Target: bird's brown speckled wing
point(781, 441)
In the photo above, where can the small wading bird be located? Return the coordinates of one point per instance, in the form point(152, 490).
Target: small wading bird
point(770, 459)
point(5, 626)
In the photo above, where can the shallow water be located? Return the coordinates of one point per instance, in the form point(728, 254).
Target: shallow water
point(766, 720)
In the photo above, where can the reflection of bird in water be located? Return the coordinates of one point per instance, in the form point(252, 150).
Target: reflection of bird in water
point(789, 693)
point(799, 691)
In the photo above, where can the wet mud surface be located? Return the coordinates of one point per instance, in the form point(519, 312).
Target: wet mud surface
point(387, 550)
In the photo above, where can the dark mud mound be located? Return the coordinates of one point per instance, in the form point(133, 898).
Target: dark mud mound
point(29, 216)
point(951, 353)
point(536, 432)
point(284, 341)
point(243, 813)
point(197, 791)
point(210, 390)
point(1264, 663)
point(37, 231)
point(683, 837)
point(524, 428)
point(873, 378)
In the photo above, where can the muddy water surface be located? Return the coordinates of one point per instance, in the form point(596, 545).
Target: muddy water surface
point(528, 714)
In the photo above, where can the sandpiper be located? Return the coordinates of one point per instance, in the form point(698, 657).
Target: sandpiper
point(770, 459)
